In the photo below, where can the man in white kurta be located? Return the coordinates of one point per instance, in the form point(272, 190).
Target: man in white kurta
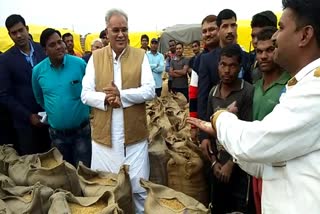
point(135, 155)
point(110, 159)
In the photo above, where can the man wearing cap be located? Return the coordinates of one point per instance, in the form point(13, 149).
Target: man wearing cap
point(156, 61)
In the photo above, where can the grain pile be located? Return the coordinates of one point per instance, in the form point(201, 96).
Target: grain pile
point(103, 181)
point(172, 203)
point(92, 209)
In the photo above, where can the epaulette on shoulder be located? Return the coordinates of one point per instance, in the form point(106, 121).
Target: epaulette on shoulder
point(317, 72)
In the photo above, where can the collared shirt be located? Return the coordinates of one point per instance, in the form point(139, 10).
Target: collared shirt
point(265, 100)
point(136, 155)
point(283, 148)
point(58, 91)
point(243, 95)
point(178, 64)
point(30, 58)
point(156, 62)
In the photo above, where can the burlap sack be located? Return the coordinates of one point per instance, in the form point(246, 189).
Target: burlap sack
point(164, 200)
point(186, 170)
point(33, 199)
point(66, 203)
point(156, 115)
point(95, 183)
point(4, 209)
point(5, 181)
point(181, 101)
point(51, 170)
point(158, 156)
point(19, 168)
point(7, 155)
point(47, 168)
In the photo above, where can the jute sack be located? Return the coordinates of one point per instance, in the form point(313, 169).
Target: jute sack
point(19, 168)
point(186, 171)
point(95, 183)
point(33, 199)
point(181, 101)
point(47, 168)
point(4, 209)
point(164, 200)
point(51, 170)
point(7, 155)
point(156, 115)
point(5, 181)
point(63, 202)
point(158, 156)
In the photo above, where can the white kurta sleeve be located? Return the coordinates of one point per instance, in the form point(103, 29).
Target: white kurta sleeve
point(143, 93)
point(89, 95)
point(291, 130)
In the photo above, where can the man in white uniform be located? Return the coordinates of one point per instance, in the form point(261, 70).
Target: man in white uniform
point(117, 83)
point(284, 148)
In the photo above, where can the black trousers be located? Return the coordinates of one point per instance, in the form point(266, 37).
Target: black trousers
point(158, 92)
point(31, 140)
point(7, 132)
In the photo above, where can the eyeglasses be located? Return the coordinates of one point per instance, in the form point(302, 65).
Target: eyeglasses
point(117, 30)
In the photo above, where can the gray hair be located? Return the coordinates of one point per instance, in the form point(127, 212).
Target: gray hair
point(113, 12)
point(96, 40)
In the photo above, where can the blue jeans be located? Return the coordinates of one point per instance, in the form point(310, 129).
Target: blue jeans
point(74, 144)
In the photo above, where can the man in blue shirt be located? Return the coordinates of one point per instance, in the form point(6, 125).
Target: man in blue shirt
point(156, 61)
point(16, 95)
point(56, 83)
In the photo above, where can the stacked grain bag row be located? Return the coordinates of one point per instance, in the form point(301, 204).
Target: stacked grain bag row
point(175, 160)
point(45, 183)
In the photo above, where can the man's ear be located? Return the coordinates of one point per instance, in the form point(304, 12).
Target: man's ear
point(306, 36)
point(27, 27)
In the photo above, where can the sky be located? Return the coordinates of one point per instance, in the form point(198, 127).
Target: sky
point(144, 15)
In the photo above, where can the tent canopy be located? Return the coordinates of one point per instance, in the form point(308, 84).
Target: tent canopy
point(185, 33)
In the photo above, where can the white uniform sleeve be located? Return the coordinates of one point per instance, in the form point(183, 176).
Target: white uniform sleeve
point(89, 95)
point(143, 93)
point(291, 130)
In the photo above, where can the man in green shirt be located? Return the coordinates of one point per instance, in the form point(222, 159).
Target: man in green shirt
point(267, 90)
point(56, 84)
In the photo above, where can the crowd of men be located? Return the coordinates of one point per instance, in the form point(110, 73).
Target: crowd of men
point(253, 114)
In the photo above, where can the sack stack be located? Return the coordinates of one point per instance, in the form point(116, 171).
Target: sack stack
point(175, 161)
point(45, 183)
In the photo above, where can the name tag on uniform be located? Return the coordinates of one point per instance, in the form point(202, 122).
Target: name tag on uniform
point(279, 164)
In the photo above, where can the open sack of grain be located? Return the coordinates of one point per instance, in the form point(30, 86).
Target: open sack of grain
point(7, 155)
point(63, 202)
point(164, 200)
point(186, 169)
point(47, 168)
point(95, 183)
point(31, 199)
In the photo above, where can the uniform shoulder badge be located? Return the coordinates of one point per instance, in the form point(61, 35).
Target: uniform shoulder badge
point(317, 72)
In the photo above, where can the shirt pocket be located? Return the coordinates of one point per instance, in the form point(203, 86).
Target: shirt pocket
point(274, 172)
point(75, 88)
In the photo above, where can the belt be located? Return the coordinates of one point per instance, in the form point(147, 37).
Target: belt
point(72, 131)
